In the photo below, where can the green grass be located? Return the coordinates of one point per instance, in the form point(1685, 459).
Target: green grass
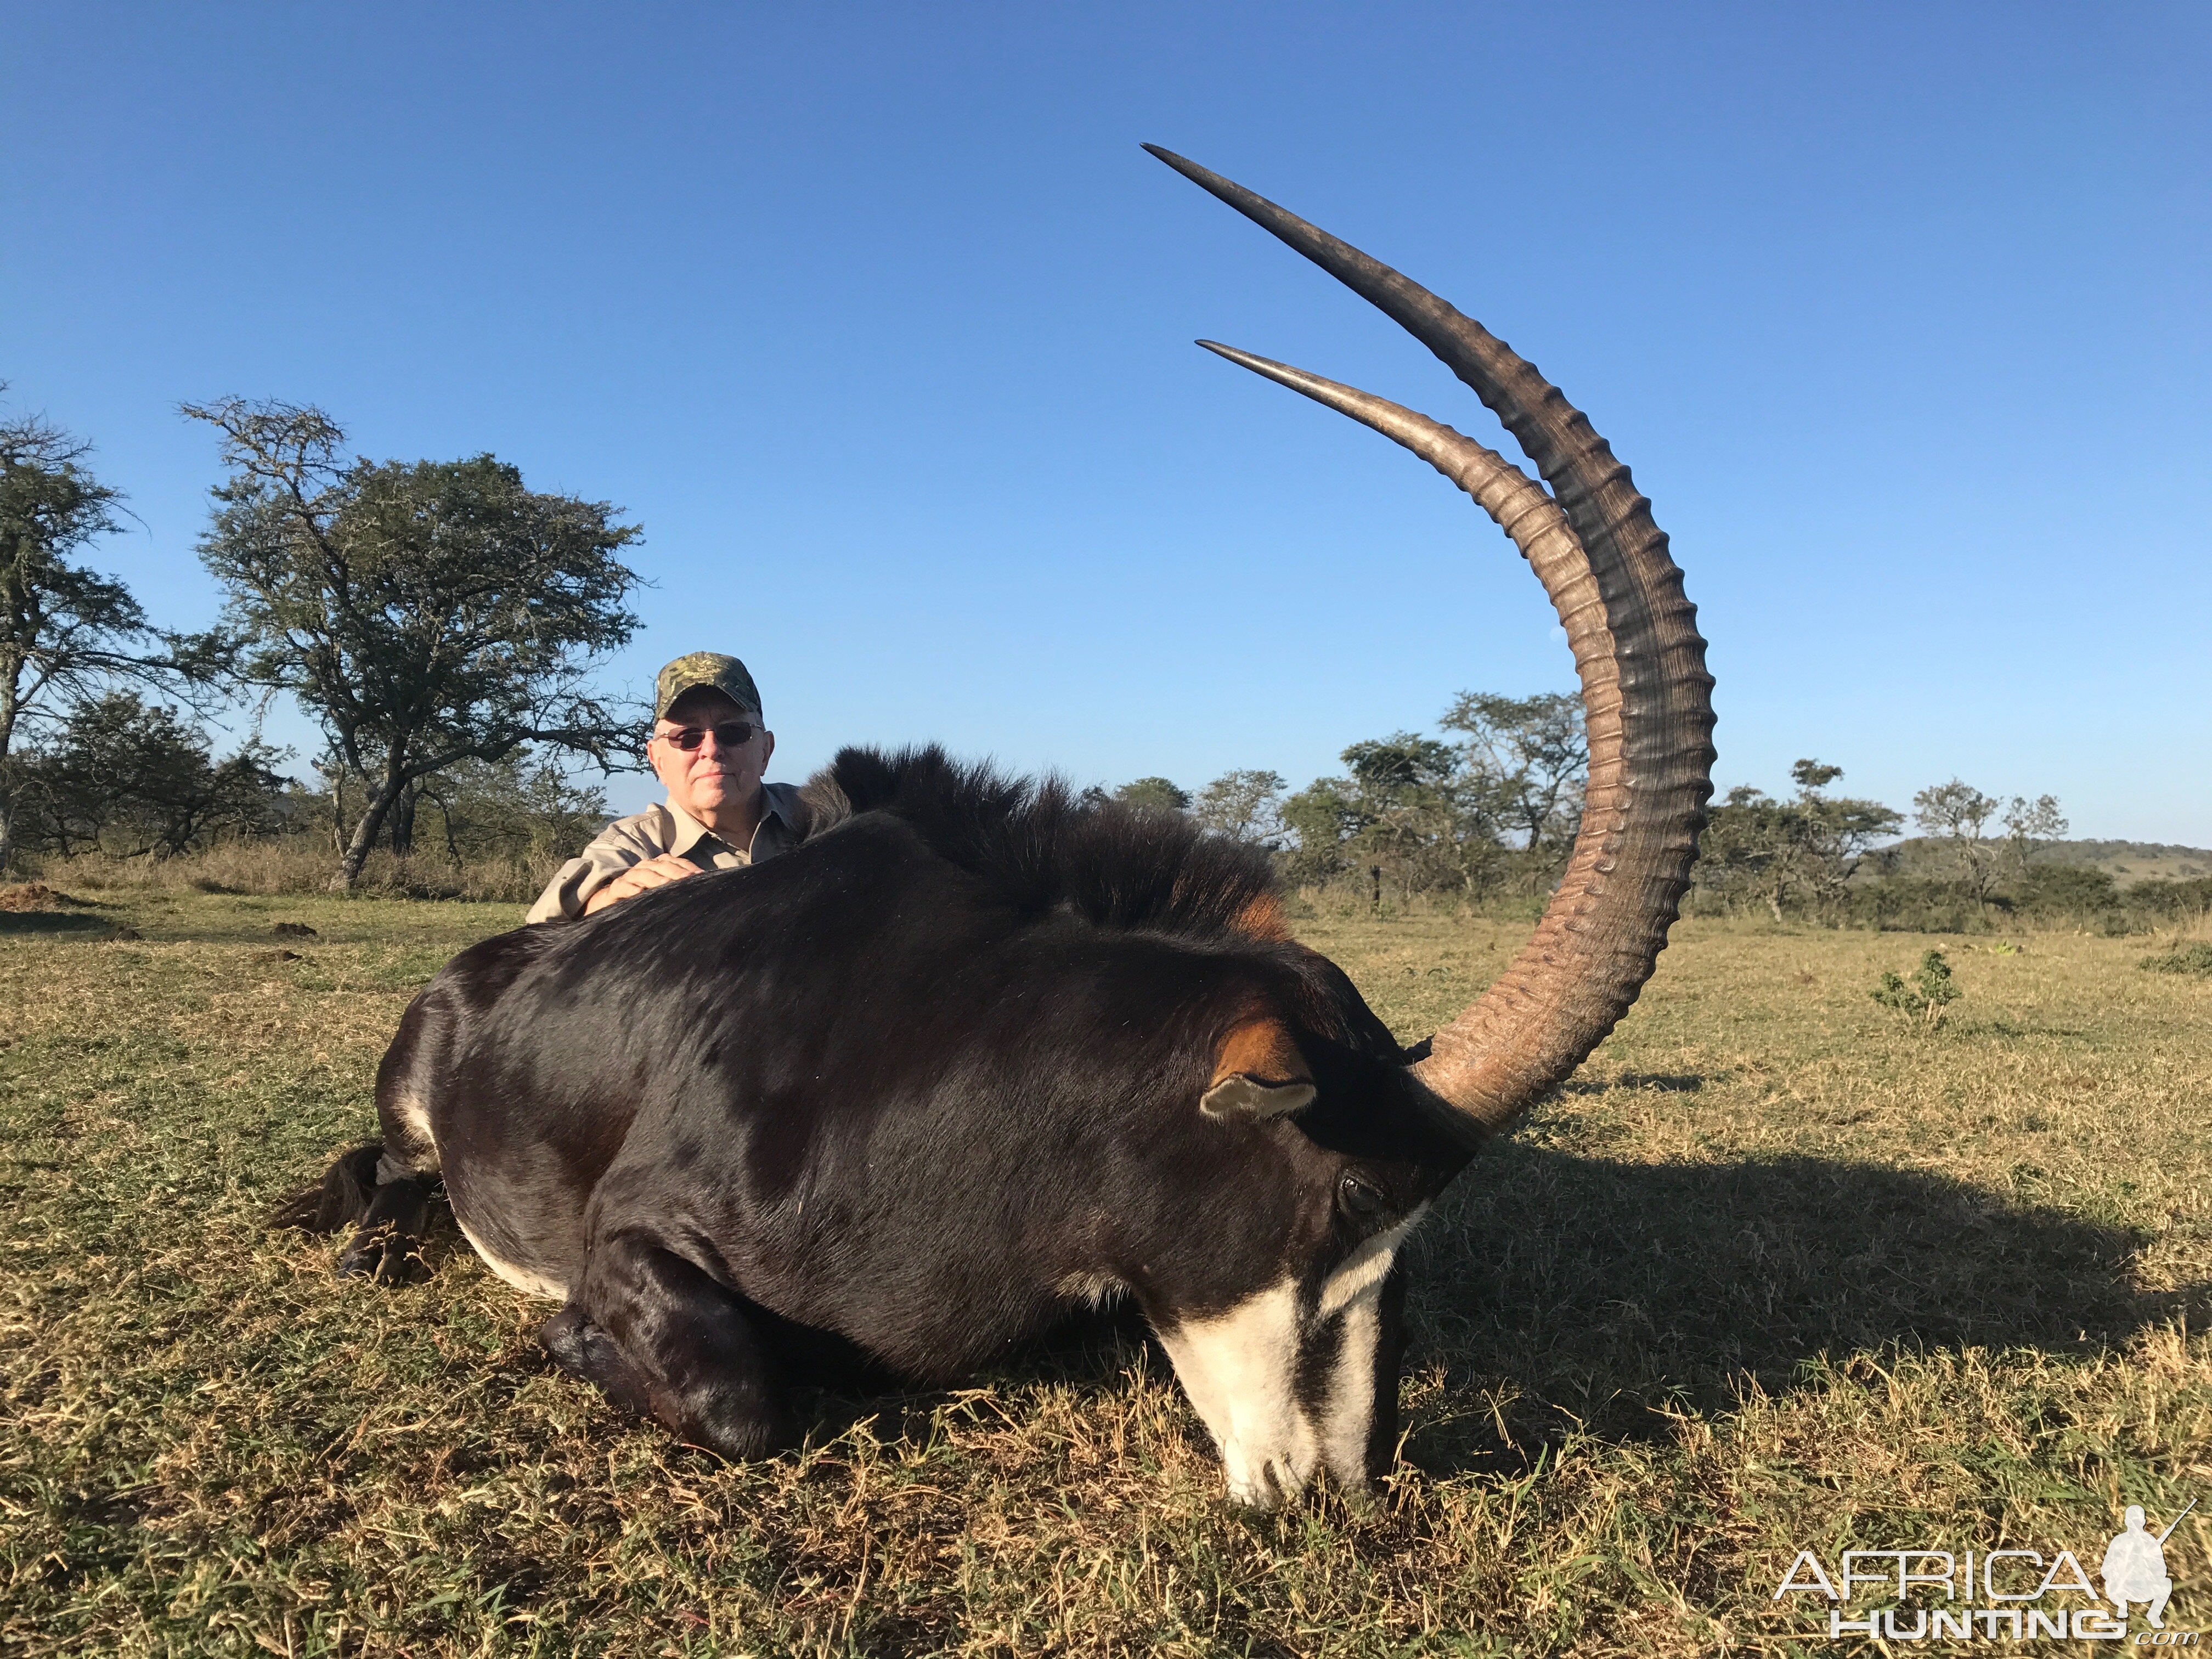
point(1775, 1271)
point(2195, 958)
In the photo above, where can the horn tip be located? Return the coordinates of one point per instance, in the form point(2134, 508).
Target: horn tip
point(1181, 164)
point(1281, 373)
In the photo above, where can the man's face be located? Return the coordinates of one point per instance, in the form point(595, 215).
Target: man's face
point(712, 777)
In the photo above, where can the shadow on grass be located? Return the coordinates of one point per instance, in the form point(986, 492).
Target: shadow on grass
point(1560, 1294)
point(52, 923)
point(1599, 1291)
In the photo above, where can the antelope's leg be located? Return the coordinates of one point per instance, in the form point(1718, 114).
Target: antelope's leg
point(663, 1338)
point(387, 1244)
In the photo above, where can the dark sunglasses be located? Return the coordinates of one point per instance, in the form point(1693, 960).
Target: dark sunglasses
point(730, 734)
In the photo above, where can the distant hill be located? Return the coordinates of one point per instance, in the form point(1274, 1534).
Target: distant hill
point(2129, 861)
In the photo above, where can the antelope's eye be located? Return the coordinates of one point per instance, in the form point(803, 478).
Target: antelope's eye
point(1360, 1199)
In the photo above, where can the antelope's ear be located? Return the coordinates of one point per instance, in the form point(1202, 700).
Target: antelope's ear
point(1260, 1073)
point(1238, 1096)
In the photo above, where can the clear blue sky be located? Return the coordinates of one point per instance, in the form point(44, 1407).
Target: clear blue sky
point(878, 321)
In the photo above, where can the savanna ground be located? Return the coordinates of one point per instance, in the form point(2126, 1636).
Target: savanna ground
point(1773, 1273)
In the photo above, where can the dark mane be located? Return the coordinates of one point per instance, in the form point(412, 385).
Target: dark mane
point(1043, 846)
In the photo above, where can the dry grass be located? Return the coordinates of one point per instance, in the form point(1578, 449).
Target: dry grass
point(1773, 1271)
point(299, 867)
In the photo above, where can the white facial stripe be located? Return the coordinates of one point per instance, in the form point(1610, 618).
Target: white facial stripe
point(1348, 1415)
point(1367, 1267)
point(1240, 1371)
point(524, 1279)
point(1355, 1292)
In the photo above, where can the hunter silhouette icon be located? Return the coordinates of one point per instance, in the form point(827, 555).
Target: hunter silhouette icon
point(2134, 1567)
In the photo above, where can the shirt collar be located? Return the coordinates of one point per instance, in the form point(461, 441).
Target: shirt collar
point(689, 832)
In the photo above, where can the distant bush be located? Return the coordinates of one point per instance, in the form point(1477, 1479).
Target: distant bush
point(129, 778)
point(2189, 959)
point(1920, 904)
point(494, 832)
point(2068, 890)
point(301, 865)
point(2170, 902)
point(1348, 897)
point(2045, 895)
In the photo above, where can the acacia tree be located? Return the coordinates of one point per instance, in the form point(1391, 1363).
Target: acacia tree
point(1958, 814)
point(1531, 755)
point(1839, 830)
point(1407, 810)
point(1321, 822)
point(1752, 847)
point(1433, 814)
point(1245, 805)
point(424, 613)
point(1158, 794)
point(2029, 823)
point(1402, 796)
point(1783, 851)
point(64, 630)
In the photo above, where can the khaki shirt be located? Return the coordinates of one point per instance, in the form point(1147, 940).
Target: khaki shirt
point(666, 828)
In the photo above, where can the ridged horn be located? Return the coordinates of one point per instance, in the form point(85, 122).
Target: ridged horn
point(1646, 696)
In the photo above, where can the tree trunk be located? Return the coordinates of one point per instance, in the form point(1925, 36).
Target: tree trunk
point(403, 822)
point(365, 834)
point(7, 793)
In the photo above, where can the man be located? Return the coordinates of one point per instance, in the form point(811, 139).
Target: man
point(710, 749)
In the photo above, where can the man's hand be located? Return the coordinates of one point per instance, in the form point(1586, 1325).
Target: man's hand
point(653, 872)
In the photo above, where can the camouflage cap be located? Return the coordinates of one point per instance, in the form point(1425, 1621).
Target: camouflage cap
point(695, 669)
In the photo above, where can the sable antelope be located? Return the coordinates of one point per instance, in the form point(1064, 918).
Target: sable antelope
point(975, 1055)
